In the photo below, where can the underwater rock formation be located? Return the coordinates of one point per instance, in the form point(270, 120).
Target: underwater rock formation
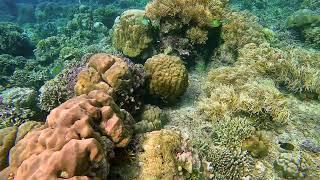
point(168, 77)
point(132, 33)
point(87, 126)
point(116, 76)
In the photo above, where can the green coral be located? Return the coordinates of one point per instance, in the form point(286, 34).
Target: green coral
point(11, 116)
point(13, 41)
point(132, 33)
point(19, 97)
point(302, 18)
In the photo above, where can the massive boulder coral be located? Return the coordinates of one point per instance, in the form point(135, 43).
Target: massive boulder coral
point(132, 33)
point(116, 76)
point(168, 77)
point(87, 126)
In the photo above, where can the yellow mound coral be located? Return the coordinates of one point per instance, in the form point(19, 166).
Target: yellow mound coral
point(168, 76)
point(132, 33)
point(7, 138)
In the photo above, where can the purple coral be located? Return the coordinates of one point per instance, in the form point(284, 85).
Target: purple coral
point(310, 146)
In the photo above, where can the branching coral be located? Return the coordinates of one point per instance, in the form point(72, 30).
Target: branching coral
point(232, 131)
point(19, 97)
point(132, 33)
point(229, 164)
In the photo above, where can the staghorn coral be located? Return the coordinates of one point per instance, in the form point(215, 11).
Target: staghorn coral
point(132, 33)
point(116, 76)
point(81, 126)
point(168, 77)
point(151, 118)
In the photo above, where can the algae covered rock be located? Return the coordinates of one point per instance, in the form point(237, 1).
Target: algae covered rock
point(168, 77)
point(132, 33)
point(302, 18)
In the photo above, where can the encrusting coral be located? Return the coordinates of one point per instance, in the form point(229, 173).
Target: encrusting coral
point(87, 126)
point(168, 77)
point(132, 33)
point(116, 76)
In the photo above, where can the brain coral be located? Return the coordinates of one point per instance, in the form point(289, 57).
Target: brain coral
point(168, 76)
point(132, 33)
point(116, 76)
point(76, 141)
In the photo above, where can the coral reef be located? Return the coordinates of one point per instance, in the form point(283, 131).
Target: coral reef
point(151, 118)
point(13, 41)
point(13, 116)
point(132, 33)
point(168, 77)
point(80, 126)
point(116, 76)
point(19, 97)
